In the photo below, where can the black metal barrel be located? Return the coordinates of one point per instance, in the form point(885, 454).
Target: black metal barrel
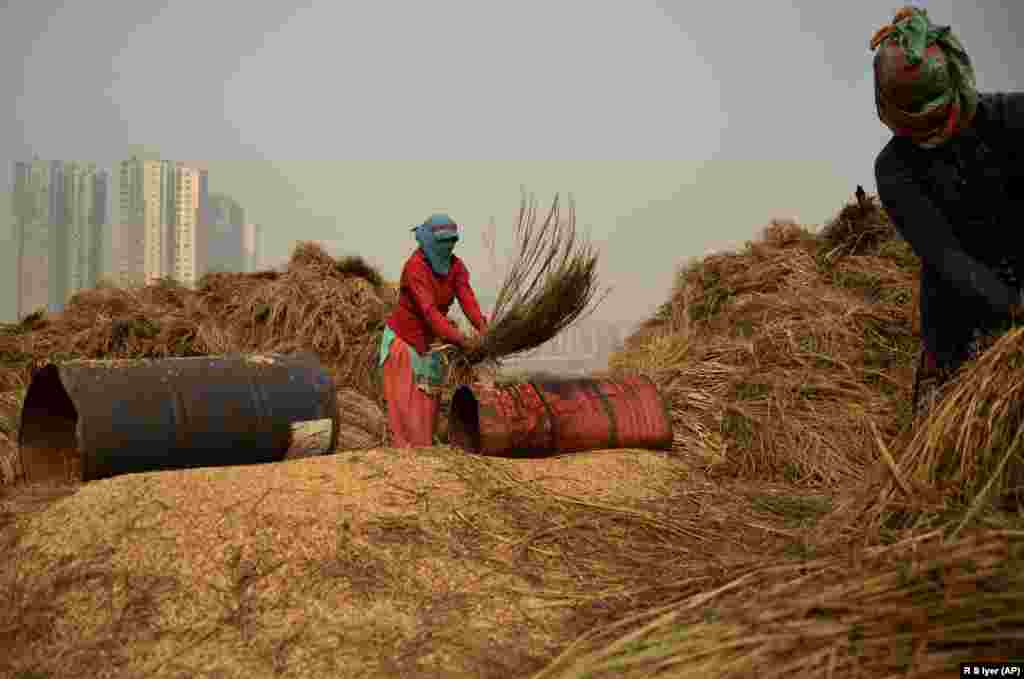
point(95, 419)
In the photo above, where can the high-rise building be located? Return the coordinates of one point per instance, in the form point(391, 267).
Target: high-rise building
point(168, 209)
point(250, 247)
point(34, 215)
point(160, 232)
point(189, 240)
point(140, 240)
point(226, 237)
point(60, 210)
point(202, 222)
point(81, 245)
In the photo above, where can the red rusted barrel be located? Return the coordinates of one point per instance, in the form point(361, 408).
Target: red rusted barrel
point(560, 416)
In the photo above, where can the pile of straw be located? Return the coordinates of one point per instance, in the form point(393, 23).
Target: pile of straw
point(965, 458)
point(777, 359)
point(551, 283)
point(973, 441)
point(913, 609)
point(107, 322)
point(860, 228)
point(335, 308)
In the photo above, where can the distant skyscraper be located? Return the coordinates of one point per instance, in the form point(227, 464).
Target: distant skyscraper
point(34, 216)
point(168, 219)
point(160, 232)
point(85, 201)
point(189, 245)
point(250, 247)
point(141, 239)
point(203, 225)
point(60, 210)
point(226, 234)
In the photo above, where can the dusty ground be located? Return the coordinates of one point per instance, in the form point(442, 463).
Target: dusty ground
point(372, 563)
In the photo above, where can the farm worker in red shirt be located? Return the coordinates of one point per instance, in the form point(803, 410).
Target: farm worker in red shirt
point(432, 278)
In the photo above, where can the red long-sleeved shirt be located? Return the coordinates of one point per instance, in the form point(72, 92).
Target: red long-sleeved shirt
point(424, 300)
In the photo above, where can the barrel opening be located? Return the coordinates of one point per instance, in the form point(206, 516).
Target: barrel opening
point(464, 420)
point(47, 439)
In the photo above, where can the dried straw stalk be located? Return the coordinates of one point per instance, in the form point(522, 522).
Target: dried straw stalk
point(913, 609)
point(551, 284)
point(971, 446)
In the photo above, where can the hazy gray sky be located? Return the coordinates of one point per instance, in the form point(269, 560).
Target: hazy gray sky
point(679, 127)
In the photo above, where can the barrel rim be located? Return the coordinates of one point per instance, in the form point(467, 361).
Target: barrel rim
point(465, 395)
point(47, 387)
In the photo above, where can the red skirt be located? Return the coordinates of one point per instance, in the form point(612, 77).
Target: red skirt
point(412, 412)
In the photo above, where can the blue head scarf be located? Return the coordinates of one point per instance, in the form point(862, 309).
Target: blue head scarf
point(437, 238)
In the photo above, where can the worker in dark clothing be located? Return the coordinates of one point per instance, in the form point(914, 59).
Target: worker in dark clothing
point(432, 278)
point(952, 181)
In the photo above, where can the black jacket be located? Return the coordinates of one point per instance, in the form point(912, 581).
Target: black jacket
point(961, 208)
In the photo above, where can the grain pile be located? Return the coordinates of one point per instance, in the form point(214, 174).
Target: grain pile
point(383, 563)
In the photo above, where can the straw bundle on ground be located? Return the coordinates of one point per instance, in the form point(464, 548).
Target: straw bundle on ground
point(12, 358)
point(970, 449)
point(551, 283)
point(363, 423)
point(10, 462)
point(776, 358)
point(10, 409)
point(914, 609)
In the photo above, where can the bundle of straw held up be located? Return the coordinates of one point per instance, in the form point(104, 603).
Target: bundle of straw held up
point(551, 283)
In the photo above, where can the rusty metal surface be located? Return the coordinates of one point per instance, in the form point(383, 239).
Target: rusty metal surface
point(125, 416)
point(560, 416)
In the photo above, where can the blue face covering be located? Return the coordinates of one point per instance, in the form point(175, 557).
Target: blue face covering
point(437, 238)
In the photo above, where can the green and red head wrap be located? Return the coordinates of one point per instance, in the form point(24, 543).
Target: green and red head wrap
point(924, 80)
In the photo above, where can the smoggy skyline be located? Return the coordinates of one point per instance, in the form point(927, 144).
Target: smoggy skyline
point(679, 130)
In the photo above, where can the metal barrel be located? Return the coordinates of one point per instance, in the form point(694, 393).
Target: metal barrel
point(560, 416)
point(95, 419)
